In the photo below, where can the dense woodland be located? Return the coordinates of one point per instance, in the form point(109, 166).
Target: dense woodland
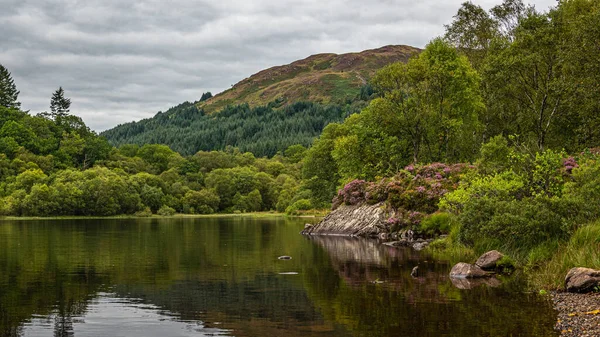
point(263, 130)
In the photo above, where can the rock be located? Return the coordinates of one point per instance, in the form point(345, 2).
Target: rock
point(401, 243)
point(415, 272)
point(420, 245)
point(285, 257)
point(465, 270)
point(489, 260)
point(383, 236)
point(357, 220)
point(308, 226)
point(463, 283)
point(582, 280)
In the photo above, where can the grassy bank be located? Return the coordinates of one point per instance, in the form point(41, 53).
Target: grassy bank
point(545, 265)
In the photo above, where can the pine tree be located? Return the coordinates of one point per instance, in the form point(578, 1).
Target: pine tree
point(8, 90)
point(59, 104)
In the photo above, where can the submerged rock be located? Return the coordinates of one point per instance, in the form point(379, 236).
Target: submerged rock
point(464, 283)
point(465, 270)
point(582, 280)
point(489, 260)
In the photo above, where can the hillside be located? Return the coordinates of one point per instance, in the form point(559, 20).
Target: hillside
point(321, 78)
point(270, 110)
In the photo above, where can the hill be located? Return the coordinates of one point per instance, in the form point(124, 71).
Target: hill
point(270, 110)
point(321, 78)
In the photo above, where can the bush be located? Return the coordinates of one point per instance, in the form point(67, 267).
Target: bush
point(166, 211)
point(437, 223)
point(146, 212)
point(300, 205)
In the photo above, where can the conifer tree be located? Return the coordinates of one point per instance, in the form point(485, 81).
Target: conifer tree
point(59, 104)
point(8, 90)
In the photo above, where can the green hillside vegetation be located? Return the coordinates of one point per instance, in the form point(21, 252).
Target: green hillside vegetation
point(269, 111)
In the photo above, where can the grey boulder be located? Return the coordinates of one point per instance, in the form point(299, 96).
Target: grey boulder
point(489, 260)
point(582, 280)
point(465, 270)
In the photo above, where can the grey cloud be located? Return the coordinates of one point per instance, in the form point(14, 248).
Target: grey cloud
point(125, 60)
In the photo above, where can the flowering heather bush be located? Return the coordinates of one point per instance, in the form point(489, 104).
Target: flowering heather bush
point(422, 190)
point(352, 194)
point(570, 164)
point(413, 192)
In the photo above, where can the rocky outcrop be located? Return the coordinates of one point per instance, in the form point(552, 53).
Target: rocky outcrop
point(359, 220)
point(582, 280)
point(465, 270)
point(489, 260)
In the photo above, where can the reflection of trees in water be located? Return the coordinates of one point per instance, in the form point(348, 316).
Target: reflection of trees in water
point(53, 269)
point(404, 306)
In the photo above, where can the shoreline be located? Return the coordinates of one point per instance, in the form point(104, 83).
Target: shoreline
point(154, 216)
point(578, 315)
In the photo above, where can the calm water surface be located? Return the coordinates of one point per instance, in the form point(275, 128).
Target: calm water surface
point(221, 277)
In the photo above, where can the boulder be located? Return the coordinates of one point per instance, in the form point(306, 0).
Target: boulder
point(582, 280)
point(465, 270)
point(420, 245)
point(489, 260)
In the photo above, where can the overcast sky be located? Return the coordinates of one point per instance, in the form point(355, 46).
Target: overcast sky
point(122, 60)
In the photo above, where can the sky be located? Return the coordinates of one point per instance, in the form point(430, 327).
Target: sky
point(122, 60)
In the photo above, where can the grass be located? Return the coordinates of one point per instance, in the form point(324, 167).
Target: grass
point(545, 265)
point(582, 250)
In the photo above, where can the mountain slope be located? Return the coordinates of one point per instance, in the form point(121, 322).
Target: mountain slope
point(321, 78)
point(270, 110)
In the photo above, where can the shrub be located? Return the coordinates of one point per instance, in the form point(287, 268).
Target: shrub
point(300, 205)
point(146, 212)
point(437, 223)
point(166, 211)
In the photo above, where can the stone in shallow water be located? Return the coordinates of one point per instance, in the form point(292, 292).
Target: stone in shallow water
point(464, 283)
point(465, 270)
point(582, 280)
point(285, 257)
point(489, 260)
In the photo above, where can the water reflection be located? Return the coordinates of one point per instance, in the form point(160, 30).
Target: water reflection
point(108, 315)
point(222, 276)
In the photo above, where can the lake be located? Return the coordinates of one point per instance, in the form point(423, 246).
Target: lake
point(221, 276)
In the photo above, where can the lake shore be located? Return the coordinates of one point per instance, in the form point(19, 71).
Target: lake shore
point(309, 215)
point(578, 314)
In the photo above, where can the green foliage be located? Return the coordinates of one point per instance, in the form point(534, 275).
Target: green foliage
point(437, 223)
point(263, 130)
point(8, 90)
point(166, 211)
point(494, 155)
point(59, 104)
point(299, 205)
